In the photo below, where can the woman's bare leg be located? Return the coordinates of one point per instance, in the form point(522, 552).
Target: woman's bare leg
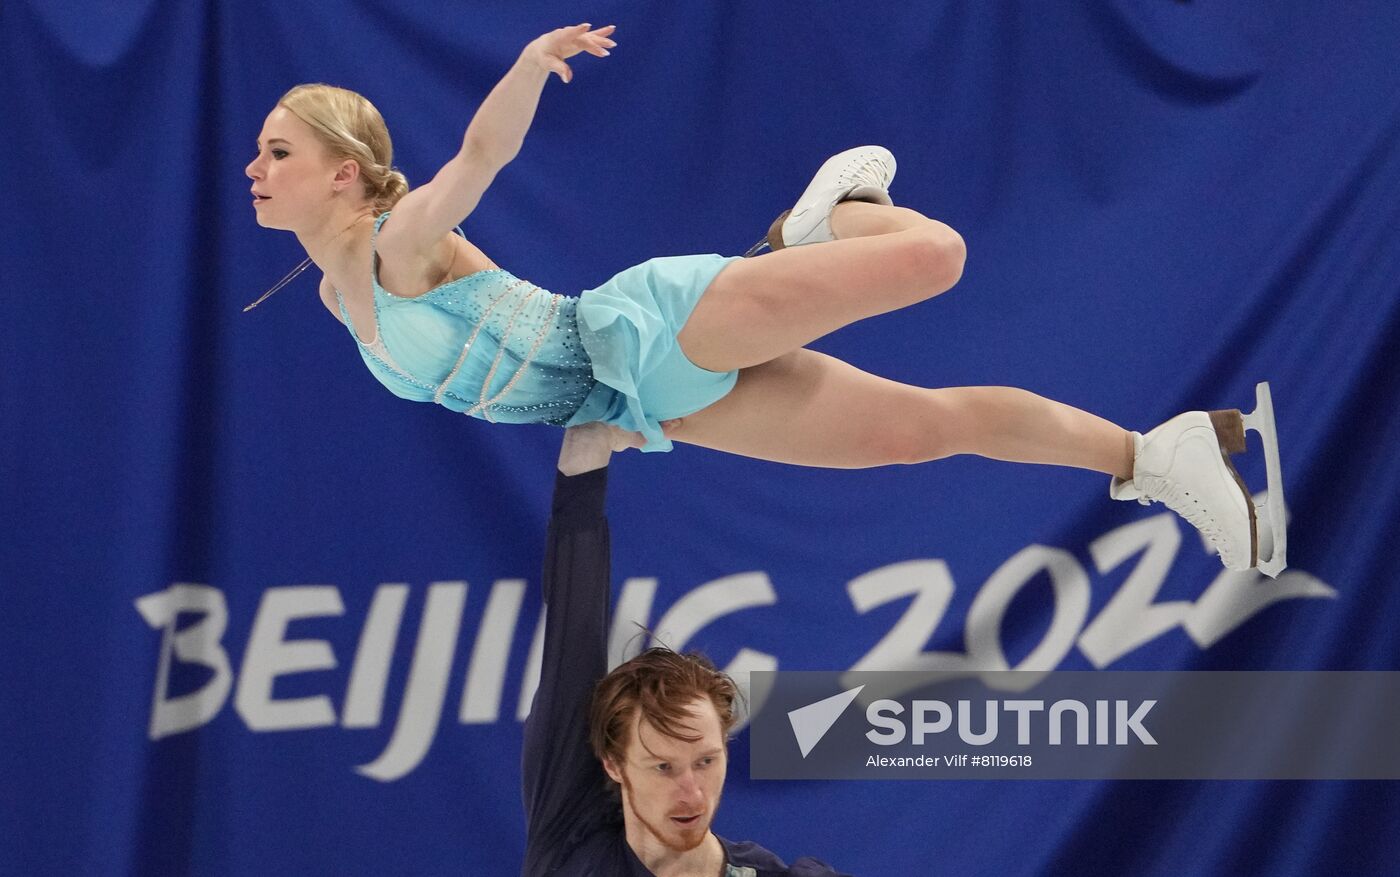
point(798, 406)
point(811, 409)
point(858, 219)
point(757, 309)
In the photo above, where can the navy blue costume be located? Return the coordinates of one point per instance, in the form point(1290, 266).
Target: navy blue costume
point(574, 823)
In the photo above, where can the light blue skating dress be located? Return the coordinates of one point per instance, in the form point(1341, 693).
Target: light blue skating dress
point(500, 348)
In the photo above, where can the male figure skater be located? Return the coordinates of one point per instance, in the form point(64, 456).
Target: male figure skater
point(622, 777)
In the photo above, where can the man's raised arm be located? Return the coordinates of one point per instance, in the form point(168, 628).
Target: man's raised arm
point(563, 785)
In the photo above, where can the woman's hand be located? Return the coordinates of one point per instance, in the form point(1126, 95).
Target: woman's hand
point(619, 439)
point(622, 440)
point(550, 50)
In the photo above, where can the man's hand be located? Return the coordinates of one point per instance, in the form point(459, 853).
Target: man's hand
point(590, 445)
point(550, 50)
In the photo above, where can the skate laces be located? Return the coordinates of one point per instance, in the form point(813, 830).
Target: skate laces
point(870, 172)
point(1190, 507)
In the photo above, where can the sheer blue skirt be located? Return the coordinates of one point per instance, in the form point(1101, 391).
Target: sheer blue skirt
point(628, 327)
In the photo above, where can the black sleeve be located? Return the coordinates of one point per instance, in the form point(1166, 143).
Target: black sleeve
point(564, 787)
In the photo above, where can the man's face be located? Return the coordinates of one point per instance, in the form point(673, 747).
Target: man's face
point(672, 787)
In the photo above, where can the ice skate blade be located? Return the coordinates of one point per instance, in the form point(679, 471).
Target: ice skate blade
point(1261, 420)
point(756, 249)
point(771, 241)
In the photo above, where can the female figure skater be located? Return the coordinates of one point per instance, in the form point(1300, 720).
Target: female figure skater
point(703, 349)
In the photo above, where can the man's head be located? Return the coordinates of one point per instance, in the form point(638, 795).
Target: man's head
point(660, 725)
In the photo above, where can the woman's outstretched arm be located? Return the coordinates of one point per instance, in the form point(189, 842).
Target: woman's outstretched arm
point(493, 139)
point(498, 129)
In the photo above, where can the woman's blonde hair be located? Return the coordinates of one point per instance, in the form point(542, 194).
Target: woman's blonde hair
point(350, 127)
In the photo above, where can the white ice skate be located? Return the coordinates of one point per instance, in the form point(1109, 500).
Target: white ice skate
point(1185, 464)
point(860, 174)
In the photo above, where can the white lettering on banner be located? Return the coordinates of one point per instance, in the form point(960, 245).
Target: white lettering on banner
point(1237, 595)
point(486, 672)
point(902, 648)
point(197, 644)
point(931, 585)
point(364, 700)
point(625, 640)
point(984, 617)
point(1130, 619)
point(630, 616)
point(269, 655)
point(1133, 617)
point(711, 602)
point(686, 617)
point(427, 684)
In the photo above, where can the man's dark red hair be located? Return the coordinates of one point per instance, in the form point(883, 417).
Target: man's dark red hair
point(660, 684)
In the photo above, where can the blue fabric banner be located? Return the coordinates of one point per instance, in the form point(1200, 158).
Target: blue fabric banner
point(259, 616)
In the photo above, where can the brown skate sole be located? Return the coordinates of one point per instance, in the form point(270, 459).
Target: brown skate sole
point(1229, 431)
point(775, 231)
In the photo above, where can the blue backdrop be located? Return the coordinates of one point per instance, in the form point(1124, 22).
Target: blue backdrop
point(220, 537)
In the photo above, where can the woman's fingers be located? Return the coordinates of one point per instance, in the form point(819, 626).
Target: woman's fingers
point(596, 39)
point(569, 41)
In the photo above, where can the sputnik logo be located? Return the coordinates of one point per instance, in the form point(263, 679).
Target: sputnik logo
point(811, 722)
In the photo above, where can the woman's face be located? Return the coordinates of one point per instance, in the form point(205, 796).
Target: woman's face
point(293, 178)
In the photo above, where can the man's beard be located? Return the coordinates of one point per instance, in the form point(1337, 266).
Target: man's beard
point(673, 837)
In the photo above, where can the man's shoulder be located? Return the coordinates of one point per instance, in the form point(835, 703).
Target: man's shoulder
point(747, 854)
point(590, 852)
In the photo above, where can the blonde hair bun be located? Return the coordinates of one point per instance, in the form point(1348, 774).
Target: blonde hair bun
point(351, 128)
